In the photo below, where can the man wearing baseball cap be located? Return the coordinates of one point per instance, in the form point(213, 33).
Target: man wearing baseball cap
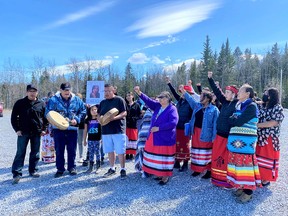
point(72, 108)
point(29, 123)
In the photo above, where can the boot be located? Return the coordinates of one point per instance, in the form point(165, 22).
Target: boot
point(98, 165)
point(184, 167)
point(194, 174)
point(176, 165)
point(86, 161)
point(207, 175)
point(90, 169)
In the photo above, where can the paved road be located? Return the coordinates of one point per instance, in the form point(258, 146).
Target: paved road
point(93, 195)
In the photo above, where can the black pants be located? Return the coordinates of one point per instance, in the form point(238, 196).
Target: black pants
point(22, 142)
point(68, 139)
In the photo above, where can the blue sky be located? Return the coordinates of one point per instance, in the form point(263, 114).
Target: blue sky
point(144, 33)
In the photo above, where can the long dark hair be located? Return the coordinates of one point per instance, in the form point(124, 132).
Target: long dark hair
point(273, 94)
point(89, 116)
point(133, 99)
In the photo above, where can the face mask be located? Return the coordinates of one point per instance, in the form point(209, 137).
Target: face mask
point(265, 98)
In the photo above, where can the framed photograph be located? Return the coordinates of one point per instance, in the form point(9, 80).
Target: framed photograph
point(94, 92)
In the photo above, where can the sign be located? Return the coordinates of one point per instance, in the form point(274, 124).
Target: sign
point(94, 92)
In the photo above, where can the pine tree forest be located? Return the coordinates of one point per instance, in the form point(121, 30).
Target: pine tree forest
point(229, 65)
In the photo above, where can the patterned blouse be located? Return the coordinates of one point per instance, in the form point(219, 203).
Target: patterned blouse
point(275, 113)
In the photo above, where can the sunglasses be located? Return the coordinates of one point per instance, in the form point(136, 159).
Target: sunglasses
point(161, 96)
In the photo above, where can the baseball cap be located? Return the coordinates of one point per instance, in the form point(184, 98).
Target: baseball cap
point(188, 89)
point(65, 86)
point(31, 86)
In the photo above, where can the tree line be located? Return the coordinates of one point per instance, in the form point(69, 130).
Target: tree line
point(229, 66)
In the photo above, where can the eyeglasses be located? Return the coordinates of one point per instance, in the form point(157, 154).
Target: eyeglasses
point(204, 95)
point(161, 96)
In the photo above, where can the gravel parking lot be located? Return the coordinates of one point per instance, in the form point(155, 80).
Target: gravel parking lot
point(91, 194)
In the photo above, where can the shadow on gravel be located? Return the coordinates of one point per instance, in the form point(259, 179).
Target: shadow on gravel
point(100, 194)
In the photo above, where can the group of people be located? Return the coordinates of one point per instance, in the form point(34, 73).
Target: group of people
point(29, 120)
point(237, 147)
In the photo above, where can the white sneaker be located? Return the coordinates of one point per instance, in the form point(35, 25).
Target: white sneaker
point(80, 160)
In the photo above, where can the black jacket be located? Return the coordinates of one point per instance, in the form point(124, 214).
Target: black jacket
point(227, 110)
point(28, 116)
point(133, 114)
point(183, 108)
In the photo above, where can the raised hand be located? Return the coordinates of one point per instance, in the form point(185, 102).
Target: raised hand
point(137, 90)
point(181, 89)
point(210, 73)
point(167, 79)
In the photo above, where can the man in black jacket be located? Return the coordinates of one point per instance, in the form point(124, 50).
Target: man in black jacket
point(29, 123)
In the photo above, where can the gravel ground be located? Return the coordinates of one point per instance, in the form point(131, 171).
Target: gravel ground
point(93, 195)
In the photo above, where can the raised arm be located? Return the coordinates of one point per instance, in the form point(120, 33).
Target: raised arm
point(190, 99)
point(152, 104)
point(218, 93)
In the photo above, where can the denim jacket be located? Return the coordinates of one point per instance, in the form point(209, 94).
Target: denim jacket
point(208, 132)
point(72, 109)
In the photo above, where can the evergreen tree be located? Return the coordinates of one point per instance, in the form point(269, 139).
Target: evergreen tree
point(238, 67)
point(276, 63)
point(45, 84)
point(207, 61)
point(193, 75)
point(225, 65)
point(129, 79)
point(180, 76)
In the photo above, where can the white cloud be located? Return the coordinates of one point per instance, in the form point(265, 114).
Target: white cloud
point(73, 17)
point(174, 67)
point(138, 58)
point(96, 64)
point(259, 56)
point(142, 58)
point(157, 60)
point(111, 57)
point(169, 40)
point(173, 17)
point(168, 59)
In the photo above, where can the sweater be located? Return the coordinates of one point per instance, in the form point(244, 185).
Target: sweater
point(166, 121)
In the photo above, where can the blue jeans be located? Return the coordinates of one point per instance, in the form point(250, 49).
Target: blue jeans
point(22, 142)
point(64, 138)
